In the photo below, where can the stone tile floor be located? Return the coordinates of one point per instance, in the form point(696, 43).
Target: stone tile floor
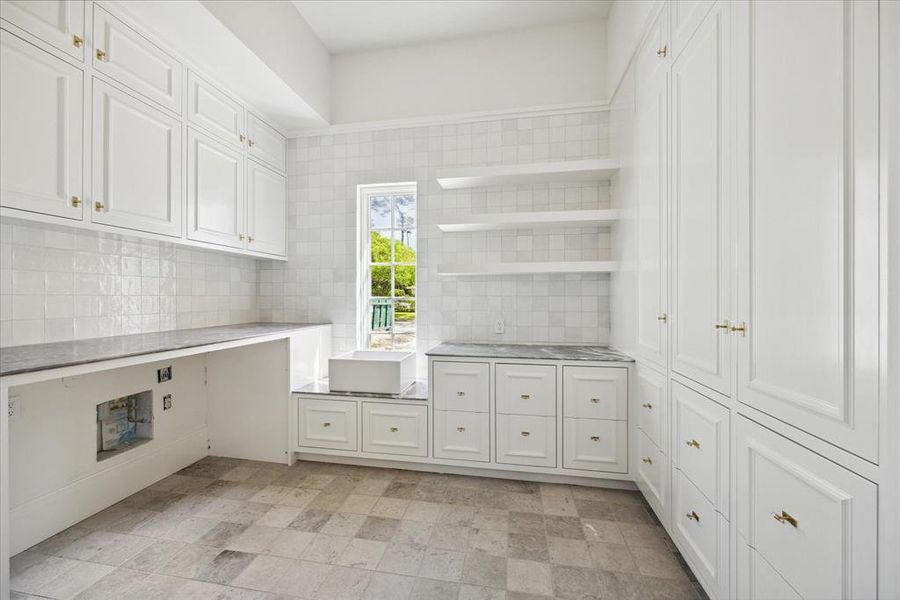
point(235, 529)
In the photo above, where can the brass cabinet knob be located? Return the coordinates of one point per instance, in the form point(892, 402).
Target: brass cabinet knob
point(526, 433)
point(595, 438)
point(250, 238)
point(595, 400)
point(742, 329)
point(723, 325)
point(460, 429)
point(648, 460)
point(647, 405)
point(326, 424)
point(526, 396)
point(693, 516)
point(693, 444)
point(662, 317)
point(101, 55)
point(251, 142)
point(241, 236)
point(785, 518)
point(662, 52)
point(242, 137)
point(77, 41)
point(99, 206)
point(76, 201)
point(394, 429)
point(460, 393)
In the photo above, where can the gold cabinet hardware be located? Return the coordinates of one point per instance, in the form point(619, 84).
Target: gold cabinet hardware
point(98, 206)
point(785, 518)
point(526, 433)
point(460, 429)
point(648, 460)
point(326, 424)
point(595, 400)
point(460, 394)
point(526, 396)
point(76, 201)
point(693, 516)
point(394, 429)
point(250, 238)
point(693, 444)
point(77, 40)
point(251, 142)
point(241, 236)
point(242, 137)
point(723, 325)
point(647, 405)
point(595, 438)
point(742, 329)
point(101, 55)
point(662, 317)
point(662, 51)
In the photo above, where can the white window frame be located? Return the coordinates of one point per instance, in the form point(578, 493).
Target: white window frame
point(363, 261)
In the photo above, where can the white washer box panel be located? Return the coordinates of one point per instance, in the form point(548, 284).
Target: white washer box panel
point(595, 445)
point(526, 440)
point(651, 397)
point(813, 520)
point(526, 389)
point(595, 392)
point(328, 424)
point(395, 428)
point(462, 435)
point(461, 386)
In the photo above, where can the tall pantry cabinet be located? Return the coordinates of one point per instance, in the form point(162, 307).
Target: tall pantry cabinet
point(757, 242)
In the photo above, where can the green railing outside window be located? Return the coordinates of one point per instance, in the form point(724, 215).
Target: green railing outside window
point(382, 315)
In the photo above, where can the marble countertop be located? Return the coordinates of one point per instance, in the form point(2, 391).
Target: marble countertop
point(417, 391)
point(40, 357)
point(528, 351)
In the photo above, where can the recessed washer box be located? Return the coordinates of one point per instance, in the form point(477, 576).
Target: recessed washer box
point(372, 372)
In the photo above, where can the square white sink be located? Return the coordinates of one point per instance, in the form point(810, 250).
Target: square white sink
point(372, 371)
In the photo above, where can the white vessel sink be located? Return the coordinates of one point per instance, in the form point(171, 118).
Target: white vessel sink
point(372, 371)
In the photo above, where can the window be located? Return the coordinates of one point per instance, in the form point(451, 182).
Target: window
point(388, 267)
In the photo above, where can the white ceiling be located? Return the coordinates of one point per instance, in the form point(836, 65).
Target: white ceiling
point(352, 25)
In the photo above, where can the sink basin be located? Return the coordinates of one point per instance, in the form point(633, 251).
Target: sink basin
point(372, 371)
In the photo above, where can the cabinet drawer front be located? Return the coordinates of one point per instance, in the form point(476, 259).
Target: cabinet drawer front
point(595, 445)
point(526, 440)
point(133, 60)
point(652, 404)
point(651, 474)
point(526, 390)
point(327, 424)
point(395, 429)
point(214, 110)
point(757, 580)
point(461, 386)
point(595, 392)
point(56, 22)
point(702, 530)
point(462, 435)
point(812, 520)
point(265, 143)
point(701, 445)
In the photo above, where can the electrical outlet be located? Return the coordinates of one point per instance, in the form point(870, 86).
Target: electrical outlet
point(164, 374)
point(14, 408)
point(499, 326)
point(167, 401)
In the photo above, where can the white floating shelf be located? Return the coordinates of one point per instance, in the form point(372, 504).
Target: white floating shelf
point(528, 268)
point(568, 171)
point(557, 218)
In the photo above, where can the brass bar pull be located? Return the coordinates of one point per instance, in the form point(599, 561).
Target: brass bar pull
point(77, 41)
point(326, 424)
point(693, 516)
point(76, 201)
point(742, 329)
point(785, 518)
point(460, 394)
point(98, 206)
point(526, 396)
point(101, 55)
point(648, 460)
point(662, 317)
point(394, 429)
point(595, 438)
point(647, 405)
point(693, 444)
point(723, 325)
point(526, 433)
point(242, 137)
point(595, 400)
point(460, 429)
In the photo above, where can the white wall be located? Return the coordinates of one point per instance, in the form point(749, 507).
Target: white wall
point(625, 25)
point(541, 66)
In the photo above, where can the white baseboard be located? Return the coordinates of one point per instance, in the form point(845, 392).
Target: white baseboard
point(47, 515)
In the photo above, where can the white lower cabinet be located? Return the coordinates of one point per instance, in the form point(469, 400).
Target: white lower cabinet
point(652, 404)
point(651, 474)
point(758, 580)
point(812, 520)
point(395, 428)
point(459, 385)
point(327, 424)
point(462, 435)
point(702, 532)
point(526, 389)
point(595, 445)
point(526, 440)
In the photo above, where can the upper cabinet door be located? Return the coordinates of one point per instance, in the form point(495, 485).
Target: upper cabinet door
point(809, 216)
point(214, 110)
point(216, 201)
point(60, 23)
point(266, 196)
point(41, 118)
point(686, 16)
point(701, 240)
point(133, 60)
point(266, 144)
point(136, 164)
point(651, 124)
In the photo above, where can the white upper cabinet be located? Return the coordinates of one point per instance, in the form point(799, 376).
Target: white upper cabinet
point(265, 143)
point(216, 200)
point(651, 124)
point(60, 23)
point(136, 164)
point(41, 119)
point(686, 16)
point(131, 59)
point(701, 195)
point(809, 216)
point(214, 110)
point(266, 196)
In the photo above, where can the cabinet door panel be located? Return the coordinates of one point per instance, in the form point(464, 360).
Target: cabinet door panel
point(595, 392)
point(327, 424)
point(462, 435)
point(395, 429)
point(809, 213)
point(41, 119)
point(595, 445)
point(266, 197)
point(700, 192)
point(133, 60)
point(216, 201)
point(136, 164)
point(265, 143)
point(215, 111)
point(461, 386)
point(652, 405)
point(60, 23)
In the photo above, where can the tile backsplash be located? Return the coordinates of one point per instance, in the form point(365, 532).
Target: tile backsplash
point(59, 283)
